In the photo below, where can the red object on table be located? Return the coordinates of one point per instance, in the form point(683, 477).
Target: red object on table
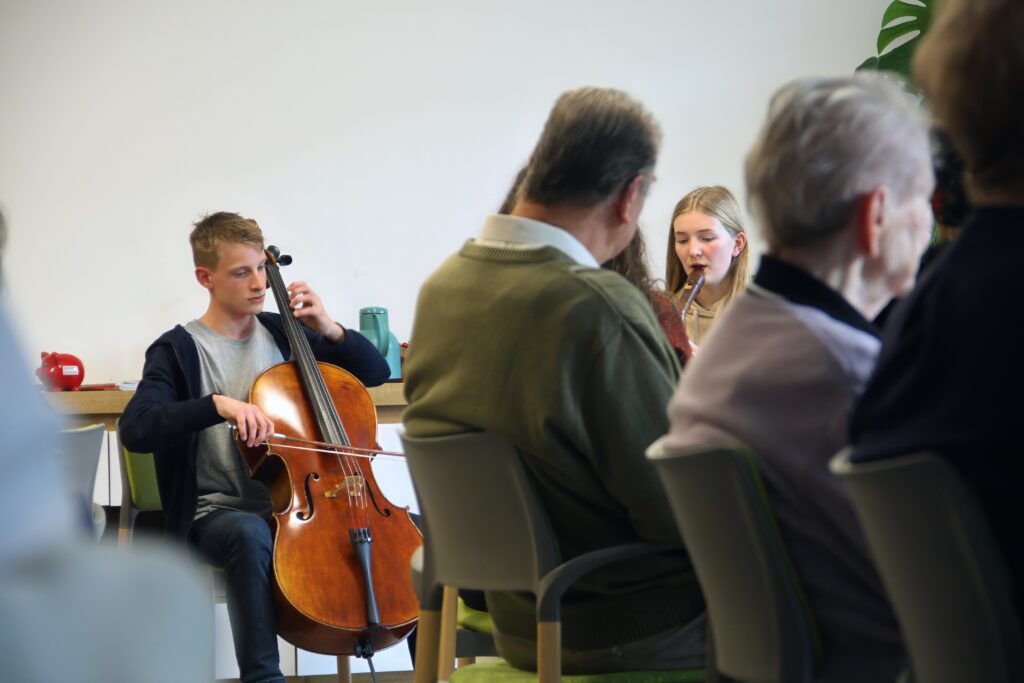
point(60, 371)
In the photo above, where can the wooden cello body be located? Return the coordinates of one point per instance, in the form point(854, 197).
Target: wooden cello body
point(342, 551)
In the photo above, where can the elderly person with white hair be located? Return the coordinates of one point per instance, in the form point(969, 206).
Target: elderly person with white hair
point(840, 179)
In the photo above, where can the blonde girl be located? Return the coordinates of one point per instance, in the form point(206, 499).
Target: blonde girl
point(707, 233)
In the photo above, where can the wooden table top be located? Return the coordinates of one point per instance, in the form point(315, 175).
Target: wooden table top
point(106, 406)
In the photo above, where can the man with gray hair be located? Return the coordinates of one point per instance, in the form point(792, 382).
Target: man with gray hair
point(522, 333)
point(840, 178)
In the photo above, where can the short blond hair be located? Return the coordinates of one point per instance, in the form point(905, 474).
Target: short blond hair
point(970, 64)
point(719, 203)
point(217, 229)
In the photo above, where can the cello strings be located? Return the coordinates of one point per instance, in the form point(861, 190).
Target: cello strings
point(331, 426)
point(321, 397)
point(355, 481)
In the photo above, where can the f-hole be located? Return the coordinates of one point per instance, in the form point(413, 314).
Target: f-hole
point(306, 515)
point(386, 512)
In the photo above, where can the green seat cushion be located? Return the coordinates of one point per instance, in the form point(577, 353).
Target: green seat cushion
point(473, 619)
point(503, 672)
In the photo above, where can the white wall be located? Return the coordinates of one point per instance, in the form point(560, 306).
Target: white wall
point(368, 139)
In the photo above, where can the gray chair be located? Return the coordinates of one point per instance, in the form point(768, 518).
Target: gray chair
point(472, 488)
point(455, 643)
point(762, 630)
point(940, 566)
point(79, 452)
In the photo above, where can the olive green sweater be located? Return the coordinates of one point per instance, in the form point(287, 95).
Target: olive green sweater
point(569, 364)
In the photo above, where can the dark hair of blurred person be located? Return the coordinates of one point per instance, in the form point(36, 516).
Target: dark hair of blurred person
point(950, 204)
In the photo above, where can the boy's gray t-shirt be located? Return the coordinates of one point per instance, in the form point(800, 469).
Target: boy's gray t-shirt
point(228, 367)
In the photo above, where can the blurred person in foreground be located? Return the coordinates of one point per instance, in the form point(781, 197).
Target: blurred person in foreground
point(32, 474)
point(950, 371)
point(64, 598)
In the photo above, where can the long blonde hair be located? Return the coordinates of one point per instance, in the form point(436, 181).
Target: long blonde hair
point(717, 202)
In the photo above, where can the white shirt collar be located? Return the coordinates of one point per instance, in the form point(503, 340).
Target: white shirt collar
point(525, 233)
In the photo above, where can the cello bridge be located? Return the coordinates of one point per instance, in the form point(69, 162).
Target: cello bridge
point(354, 486)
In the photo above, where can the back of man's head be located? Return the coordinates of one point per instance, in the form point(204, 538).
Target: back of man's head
point(218, 229)
point(595, 142)
point(825, 143)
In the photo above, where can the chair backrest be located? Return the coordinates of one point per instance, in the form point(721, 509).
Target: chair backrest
point(138, 481)
point(139, 492)
point(79, 451)
point(484, 527)
point(940, 566)
point(761, 627)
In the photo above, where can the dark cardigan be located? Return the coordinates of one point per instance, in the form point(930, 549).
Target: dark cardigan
point(168, 411)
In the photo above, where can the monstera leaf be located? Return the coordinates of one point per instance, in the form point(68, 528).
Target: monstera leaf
point(903, 24)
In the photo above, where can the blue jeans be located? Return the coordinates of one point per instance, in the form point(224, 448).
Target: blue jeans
point(241, 543)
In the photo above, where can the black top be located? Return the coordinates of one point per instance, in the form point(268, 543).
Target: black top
point(798, 286)
point(951, 369)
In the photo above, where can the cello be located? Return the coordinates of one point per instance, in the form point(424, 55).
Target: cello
point(342, 551)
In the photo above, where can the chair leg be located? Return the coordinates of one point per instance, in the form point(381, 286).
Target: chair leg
point(124, 533)
point(464, 661)
point(344, 669)
point(446, 648)
point(549, 651)
point(427, 646)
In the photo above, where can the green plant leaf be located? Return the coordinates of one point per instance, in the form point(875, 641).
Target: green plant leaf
point(869, 64)
point(916, 20)
point(899, 59)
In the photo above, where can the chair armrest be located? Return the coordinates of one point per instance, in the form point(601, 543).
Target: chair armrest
point(554, 584)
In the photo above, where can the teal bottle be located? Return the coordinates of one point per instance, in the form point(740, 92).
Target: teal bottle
point(373, 324)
